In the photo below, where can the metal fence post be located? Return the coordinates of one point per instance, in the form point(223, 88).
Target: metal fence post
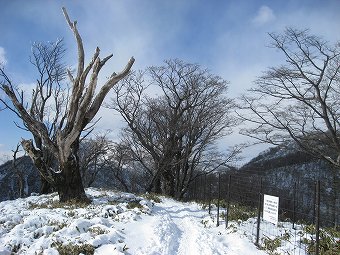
point(195, 189)
point(317, 217)
point(314, 204)
point(259, 207)
point(228, 203)
point(200, 188)
point(205, 188)
point(218, 200)
point(209, 204)
point(294, 205)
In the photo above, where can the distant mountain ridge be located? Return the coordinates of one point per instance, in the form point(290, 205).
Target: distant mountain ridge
point(292, 160)
point(9, 180)
point(279, 167)
point(291, 174)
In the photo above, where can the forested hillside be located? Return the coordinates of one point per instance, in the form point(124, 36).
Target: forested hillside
point(25, 172)
point(279, 167)
point(292, 175)
point(10, 176)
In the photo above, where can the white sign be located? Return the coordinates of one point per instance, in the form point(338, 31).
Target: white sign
point(271, 209)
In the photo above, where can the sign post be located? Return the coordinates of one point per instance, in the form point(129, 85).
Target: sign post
point(271, 209)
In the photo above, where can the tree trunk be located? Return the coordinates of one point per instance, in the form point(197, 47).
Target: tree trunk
point(157, 186)
point(69, 182)
point(66, 180)
point(20, 176)
point(168, 182)
point(45, 187)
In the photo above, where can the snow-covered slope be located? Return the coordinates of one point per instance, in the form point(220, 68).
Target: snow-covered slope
point(115, 223)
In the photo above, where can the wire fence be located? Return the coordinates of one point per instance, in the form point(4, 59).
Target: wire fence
point(308, 211)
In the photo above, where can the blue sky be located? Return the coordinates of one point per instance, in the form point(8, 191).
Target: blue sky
point(228, 37)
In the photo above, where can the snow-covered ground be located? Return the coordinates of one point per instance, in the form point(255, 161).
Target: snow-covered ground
point(115, 223)
point(183, 228)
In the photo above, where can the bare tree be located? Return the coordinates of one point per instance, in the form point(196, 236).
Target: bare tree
point(137, 162)
point(92, 154)
point(119, 163)
point(49, 99)
point(298, 100)
point(68, 120)
point(179, 127)
point(18, 172)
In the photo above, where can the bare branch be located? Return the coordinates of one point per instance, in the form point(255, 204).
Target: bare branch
point(81, 54)
point(297, 101)
point(178, 128)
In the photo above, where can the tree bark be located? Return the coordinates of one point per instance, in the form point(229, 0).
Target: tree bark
point(69, 183)
point(67, 179)
point(45, 187)
point(168, 181)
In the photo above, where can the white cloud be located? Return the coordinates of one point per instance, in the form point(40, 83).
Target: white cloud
point(27, 89)
point(3, 60)
point(5, 155)
point(264, 15)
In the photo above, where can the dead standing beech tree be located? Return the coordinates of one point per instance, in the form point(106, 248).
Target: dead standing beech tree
point(81, 108)
point(299, 100)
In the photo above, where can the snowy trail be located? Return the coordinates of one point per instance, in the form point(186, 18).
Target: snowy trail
point(177, 228)
point(114, 225)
